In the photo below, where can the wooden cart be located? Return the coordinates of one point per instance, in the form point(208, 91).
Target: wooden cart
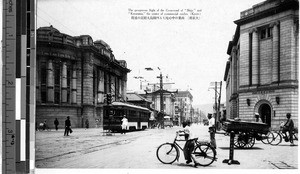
point(246, 132)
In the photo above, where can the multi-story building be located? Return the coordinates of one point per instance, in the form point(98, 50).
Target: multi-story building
point(73, 76)
point(183, 106)
point(262, 71)
point(168, 101)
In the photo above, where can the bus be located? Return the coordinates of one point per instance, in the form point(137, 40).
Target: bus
point(138, 117)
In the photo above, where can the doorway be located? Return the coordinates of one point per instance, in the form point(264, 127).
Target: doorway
point(265, 113)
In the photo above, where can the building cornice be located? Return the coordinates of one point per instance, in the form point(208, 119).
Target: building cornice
point(256, 13)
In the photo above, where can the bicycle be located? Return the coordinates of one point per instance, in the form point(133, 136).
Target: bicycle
point(279, 135)
point(43, 127)
point(203, 153)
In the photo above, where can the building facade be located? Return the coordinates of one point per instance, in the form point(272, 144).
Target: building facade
point(262, 72)
point(183, 106)
point(74, 74)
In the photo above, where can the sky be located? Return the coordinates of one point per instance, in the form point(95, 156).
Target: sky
point(192, 53)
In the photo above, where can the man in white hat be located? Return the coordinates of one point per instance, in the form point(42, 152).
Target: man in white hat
point(124, 124)
point(257, 118)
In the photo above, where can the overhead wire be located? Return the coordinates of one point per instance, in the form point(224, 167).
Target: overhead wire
point(39, 9)
point(81, 13)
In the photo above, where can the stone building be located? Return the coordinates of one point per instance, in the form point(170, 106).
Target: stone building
point(183, 106)
point(74, 74)
point(262, 72)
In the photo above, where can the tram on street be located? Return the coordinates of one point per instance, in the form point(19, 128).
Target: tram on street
point(138, 117)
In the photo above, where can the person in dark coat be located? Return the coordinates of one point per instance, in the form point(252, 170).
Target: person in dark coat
point(288, 127)
point(56, 123)
point(87, 124)
point(67, 126)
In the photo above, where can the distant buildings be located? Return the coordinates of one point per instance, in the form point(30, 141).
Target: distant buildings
point(73, 76)
point(262, 70)
point(183, 107)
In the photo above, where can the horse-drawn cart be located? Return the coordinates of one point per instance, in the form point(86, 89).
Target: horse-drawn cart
point(247, 132)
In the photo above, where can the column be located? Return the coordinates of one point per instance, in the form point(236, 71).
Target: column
point(87, 89)
point(234, 69)
point(293, 51)
point(255, 57)
point(275, 49)
point(64, 83)
point(50, 82)
point(88, 79)
point(73, 85)
point(100, 87)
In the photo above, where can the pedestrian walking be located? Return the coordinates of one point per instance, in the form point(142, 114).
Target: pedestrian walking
point(45, 124)
point(124, 124)
point(56, 123)
point(288, 127)
point(87, 124)
point(67, 126)
point(212, 130)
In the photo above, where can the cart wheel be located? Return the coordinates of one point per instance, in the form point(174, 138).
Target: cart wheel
point(238, 140)
point(244, 140)
point(249, 142)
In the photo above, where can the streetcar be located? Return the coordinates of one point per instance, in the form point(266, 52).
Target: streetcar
point(138, 117)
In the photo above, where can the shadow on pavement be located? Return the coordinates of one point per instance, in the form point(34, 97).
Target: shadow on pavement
point(253, 148)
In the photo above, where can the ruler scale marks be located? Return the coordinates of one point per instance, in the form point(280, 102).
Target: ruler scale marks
point(18, 18)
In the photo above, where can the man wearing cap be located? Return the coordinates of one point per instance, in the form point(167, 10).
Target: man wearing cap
point(288, 127)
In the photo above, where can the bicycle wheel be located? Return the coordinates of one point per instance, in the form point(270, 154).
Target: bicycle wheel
point(276, 139)
point(204, 154)
point(268, 138)
point(167, 153)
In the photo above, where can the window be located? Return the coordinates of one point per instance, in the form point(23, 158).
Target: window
point(100, 86)
point(57, 75)
point(85, 40)
point(43, 73)
point(69, 75)
point(265, 33)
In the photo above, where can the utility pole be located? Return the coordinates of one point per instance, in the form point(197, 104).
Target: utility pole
point(161, 92)
point(216, 107)
point(217, 100)
point(161, 99)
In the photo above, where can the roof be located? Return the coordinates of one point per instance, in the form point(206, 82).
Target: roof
point(136, 97)
point(163, 91)
point(184, 94)
point(129, 105)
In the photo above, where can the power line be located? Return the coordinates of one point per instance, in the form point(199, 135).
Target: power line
point(81, 13)
point(39, 9)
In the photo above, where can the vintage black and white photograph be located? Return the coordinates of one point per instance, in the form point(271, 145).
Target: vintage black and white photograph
point(194, 85)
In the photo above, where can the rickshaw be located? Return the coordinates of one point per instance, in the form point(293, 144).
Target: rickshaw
point(247, 132)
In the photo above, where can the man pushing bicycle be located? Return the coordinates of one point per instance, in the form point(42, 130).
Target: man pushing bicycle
point(190, 142)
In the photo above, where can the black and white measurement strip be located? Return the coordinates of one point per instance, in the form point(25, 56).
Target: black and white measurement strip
point(18, 85)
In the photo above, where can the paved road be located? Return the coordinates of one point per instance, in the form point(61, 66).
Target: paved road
point(136, 150)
